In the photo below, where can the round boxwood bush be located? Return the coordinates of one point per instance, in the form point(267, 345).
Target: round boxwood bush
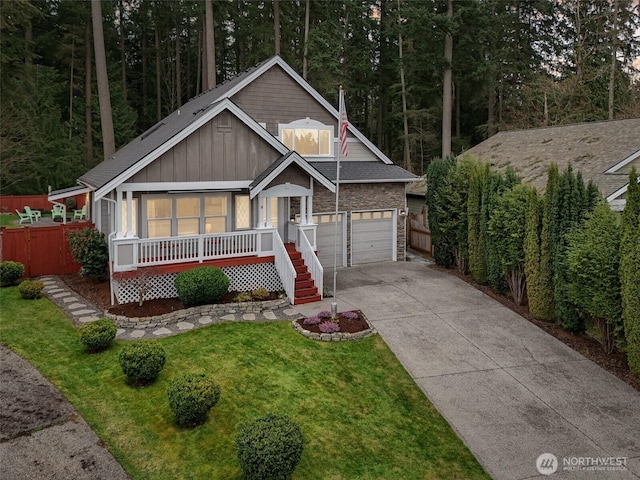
point(202, 285)
point(30, 289)
point(10, 273)
point(97, 336)
point(269, 447)
point(191, 396)
point(142, 361)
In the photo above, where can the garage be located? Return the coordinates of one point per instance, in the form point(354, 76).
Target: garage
point(325, 238)
point(372, 236)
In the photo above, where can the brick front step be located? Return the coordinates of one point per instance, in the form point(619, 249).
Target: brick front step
point(300, 301)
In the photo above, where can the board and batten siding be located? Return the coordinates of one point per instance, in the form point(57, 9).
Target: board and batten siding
point(223, 149)
point(292, 174)
point(275, 98)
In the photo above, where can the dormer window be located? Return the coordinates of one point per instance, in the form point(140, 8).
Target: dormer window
point(309, 138)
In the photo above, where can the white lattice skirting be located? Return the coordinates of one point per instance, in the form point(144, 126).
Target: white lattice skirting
point(242, 278)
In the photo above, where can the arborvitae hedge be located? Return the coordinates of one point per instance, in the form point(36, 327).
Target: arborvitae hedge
point(477, 184)
point(630, 271)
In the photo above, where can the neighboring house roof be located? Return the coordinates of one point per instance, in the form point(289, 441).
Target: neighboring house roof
point(592, 148)
point(365, 172)
point(176, 126)
point(418, 188)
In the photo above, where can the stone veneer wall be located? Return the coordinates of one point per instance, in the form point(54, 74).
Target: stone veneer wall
point(365, 196)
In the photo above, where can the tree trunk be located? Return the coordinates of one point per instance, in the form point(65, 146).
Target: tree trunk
point(158, 77)
point(28, 44)
point(178, 77)
point(73, 50)
point(306, 41)
point(276, 25)
point(457, 100)
point(491, 120)
point(614, 48)
point(88, 120)
point(123, 62)
point(405, 122)
point(446, 88)
point(106, 120)
point(210, 56)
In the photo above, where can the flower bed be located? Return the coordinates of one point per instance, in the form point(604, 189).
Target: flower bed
point(346, 327)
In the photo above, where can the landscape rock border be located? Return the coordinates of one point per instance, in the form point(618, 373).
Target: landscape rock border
point(337, 336)
point(194, 313)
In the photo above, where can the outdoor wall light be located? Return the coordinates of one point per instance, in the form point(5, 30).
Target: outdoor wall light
point(402, 212)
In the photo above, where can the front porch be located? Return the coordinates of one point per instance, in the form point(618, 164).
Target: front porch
point(252, 259)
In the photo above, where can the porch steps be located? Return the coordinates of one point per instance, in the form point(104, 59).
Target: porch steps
point(305, 290)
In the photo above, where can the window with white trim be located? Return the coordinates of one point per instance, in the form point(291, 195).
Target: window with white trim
point(193, 214)
point(309, 138)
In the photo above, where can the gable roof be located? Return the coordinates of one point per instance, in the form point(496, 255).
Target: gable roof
point(277, 167)
point(592, 148)
point(148, 146)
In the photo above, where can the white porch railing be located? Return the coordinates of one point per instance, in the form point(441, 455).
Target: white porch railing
point(311, 260)
point(131, 253)
point(284, 266)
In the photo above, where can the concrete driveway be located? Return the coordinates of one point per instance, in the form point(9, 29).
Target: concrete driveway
point(511, 391)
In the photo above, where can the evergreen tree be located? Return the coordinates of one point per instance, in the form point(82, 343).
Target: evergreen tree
point(538, 305)
point(593, 261)
point(630, 271)
point(507, 232)
point(438, 194)
point(477, 259)
point(547, 309)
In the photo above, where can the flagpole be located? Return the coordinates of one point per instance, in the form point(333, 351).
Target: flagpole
point(334, 303)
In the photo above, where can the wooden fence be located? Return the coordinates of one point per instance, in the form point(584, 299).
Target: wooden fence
point(419, 236)
point(11, 203)
point(42, 250)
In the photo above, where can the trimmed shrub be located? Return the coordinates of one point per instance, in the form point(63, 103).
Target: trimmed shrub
point(243, 297)
point(90, 249)
point(202, 285)
point(191, 397)
point(142, 361)
point(261, 294)
point(30, 289)
point(97, 336)
point(269, 448)
point(10, 273)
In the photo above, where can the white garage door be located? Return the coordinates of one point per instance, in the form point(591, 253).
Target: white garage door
point(372, 235)
point(325, 238)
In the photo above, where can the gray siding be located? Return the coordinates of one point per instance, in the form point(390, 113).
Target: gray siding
point(292, 174)
point(276, 98)
point(224, 149)
point(357, 151)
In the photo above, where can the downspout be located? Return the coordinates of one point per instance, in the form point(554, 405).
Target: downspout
point(110, 244)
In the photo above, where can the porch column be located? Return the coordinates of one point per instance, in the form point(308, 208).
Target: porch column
point(303, 210)
point(118, 212)
point(129, 213)
point(310, 210)
point(268, 212)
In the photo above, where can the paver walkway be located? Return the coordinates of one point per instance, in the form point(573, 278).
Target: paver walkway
point(80, 311)
point(511, 391)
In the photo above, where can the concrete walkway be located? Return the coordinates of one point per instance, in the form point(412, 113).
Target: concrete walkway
point(511, 391)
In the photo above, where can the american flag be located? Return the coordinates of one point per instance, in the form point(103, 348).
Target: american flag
point(344, 123)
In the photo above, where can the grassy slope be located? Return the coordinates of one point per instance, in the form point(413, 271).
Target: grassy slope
point(361, 414)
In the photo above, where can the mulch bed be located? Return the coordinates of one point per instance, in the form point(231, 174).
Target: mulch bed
point(615, 363)
point(99, 294)
point(346, 326)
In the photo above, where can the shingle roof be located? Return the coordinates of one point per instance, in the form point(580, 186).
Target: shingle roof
point(358, 171)
point(591, 148)
point(160, 133)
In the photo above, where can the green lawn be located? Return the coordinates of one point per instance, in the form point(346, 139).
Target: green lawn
point(361, 414)
point(7, 220)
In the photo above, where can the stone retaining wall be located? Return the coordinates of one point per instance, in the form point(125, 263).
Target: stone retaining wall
point(195, 313)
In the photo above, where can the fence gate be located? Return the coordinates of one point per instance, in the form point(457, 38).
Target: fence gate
point(419, 236)
point(42, 250)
